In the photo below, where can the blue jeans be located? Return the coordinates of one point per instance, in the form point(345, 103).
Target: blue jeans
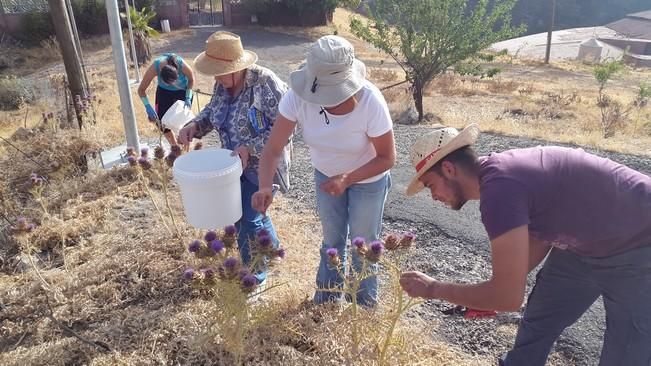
point(357, 212)
point(251, 222)
point(565, 288)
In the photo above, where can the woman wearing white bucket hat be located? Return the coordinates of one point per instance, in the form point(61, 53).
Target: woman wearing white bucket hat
point(348, 129)
point(243, 106)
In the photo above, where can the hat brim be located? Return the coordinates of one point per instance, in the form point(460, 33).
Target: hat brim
point(466, 137)
point(327, 95)
point(211, 67)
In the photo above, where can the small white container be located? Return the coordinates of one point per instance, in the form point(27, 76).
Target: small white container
point(209, 180)
point(177, 116)
point(165, 25)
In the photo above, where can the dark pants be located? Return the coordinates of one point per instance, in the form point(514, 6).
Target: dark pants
point(164, 100)
point(565, 288)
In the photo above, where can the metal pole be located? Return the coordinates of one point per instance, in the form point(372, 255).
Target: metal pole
point(119, 58)
point(133, 43)
point(549, 31)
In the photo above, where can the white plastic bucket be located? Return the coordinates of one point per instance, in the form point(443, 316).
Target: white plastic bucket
point(177, 116)
point(210, 187)
point(165, 25)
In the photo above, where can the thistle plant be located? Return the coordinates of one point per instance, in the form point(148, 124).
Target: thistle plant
point(157, 170)
point(375, 252)
point(218, 271)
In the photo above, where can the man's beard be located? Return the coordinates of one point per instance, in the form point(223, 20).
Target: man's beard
point(459, 198)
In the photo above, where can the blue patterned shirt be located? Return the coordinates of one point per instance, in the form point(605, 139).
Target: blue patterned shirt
point(246, 120)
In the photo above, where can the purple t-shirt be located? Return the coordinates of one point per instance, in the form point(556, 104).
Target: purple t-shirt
point(570, 199)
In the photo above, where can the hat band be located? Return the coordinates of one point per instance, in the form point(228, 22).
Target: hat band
point(221, 59)
point(422, 163)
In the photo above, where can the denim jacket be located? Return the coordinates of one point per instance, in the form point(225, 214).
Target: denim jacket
point(247, 120)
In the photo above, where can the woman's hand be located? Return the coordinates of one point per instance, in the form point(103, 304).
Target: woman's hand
point(187, 133)
point(262, 199)
point(336, 185)
point(244, 153)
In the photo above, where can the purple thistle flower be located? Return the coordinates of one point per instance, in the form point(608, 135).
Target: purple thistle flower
point(195, 246)
point(210, 236)
point(249, 282)
point(262, 232)
point(217, 246)
point(50, 115)
point(176, 150)
point(392, 241)
point(132, 160)
point(208, 273)
point(407, 240)
point(332, 252)
point(144, 163)
point(377, 247)
point(359, 242)
point(188, 274)
point(170, 159)
point(264, 242)
point(231, 263)
point(144, 151)
point(230, 230)
point(280, 253)
point(159, 152)
point(243, 273)
point(131, 151)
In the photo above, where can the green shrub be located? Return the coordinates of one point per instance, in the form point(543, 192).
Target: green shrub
point(36, 27)
point(13, 93)
point(90, 17)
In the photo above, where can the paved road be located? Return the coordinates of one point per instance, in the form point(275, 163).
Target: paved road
point(452, 245)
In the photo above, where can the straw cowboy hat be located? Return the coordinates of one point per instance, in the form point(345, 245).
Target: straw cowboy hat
point(224, 55)
point(434, 146)
point(330, 74)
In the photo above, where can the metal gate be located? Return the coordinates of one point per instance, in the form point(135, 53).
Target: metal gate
point(205, 13)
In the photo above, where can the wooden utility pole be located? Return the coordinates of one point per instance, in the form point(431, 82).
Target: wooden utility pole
point(550, 30)
point(71, 61)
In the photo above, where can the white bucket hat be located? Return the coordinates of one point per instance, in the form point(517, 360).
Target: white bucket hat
point(330, 74)
point(223, 55)
point(434, 146)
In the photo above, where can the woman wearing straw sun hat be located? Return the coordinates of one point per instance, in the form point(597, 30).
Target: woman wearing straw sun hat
point(348, 129)
point(242, 109)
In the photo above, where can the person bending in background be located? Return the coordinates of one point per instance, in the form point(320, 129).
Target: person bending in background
point(175, 81)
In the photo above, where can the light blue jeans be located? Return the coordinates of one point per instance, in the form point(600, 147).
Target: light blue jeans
point(357, 212)
point(251, 222)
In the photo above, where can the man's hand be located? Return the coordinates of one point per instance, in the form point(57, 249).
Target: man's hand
point(418, 284)
point(187, 133)
point(243, 152)
point(151, 113)
point(336, 185)
point(262, 199)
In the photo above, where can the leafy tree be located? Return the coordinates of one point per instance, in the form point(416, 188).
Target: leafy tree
point(142, 32)
point(426, 37)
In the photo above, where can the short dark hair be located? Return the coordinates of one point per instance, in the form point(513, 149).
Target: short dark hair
point(170, 72)
point(464, 157)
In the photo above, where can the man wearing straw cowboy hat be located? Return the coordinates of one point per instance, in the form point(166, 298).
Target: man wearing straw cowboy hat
point(591, 218)
point(242, 109)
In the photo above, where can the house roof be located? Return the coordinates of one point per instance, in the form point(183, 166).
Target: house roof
point(634, 25)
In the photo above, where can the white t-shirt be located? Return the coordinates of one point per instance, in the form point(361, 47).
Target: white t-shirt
point(344, 144)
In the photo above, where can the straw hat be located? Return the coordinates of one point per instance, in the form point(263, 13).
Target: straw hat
point(434, 146)
point(330, 74)
point(224, 55)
